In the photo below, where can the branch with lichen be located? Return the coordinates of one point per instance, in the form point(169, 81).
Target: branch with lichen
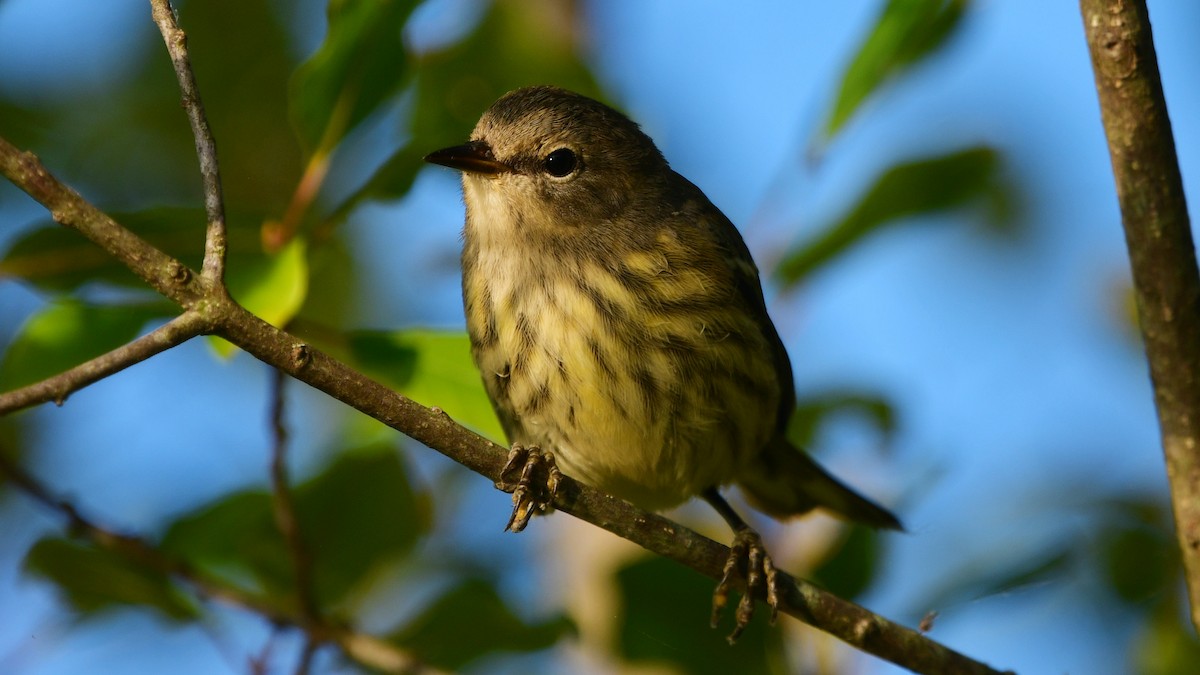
point(1162, 254)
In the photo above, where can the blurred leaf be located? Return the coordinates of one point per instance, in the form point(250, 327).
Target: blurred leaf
point(57, 258)
point(665, 617)
point(997, 577)
point(68, 332)
point(1137, 547)
point(358, 513)
point(391, 180)
point(1137, 561)
point(330, 300)
point(1167, 646)
point(907, 31)
point(455, 85)
point(431, 367)
point(924, 186)
point(24, 127)
point(360, 65)
point(272, 286)
point(850, 570)
point(95, 579)
point(471, 621)
point(235, 538)
point(810, 413)
point(243, 54)
point(127, 139)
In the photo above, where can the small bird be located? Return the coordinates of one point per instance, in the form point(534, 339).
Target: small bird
point(619, 325)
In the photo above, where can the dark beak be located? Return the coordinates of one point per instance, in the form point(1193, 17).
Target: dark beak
point(474, 156)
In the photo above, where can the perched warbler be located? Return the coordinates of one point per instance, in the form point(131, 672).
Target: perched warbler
point(618, 321)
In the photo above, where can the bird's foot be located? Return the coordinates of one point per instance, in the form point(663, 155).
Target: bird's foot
point(747, 558)
point(535, 487)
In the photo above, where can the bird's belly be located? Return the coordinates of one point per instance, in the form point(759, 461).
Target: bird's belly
point(651, 411)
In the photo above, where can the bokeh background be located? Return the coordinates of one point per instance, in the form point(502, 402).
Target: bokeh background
point(925, 186)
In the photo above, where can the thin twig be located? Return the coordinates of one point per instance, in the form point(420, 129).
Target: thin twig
point(206, 147)
point(1161, 251)
point(306, 656)
point(57, 388)
point(365, 649)
point(284, 506)
point(138, 549)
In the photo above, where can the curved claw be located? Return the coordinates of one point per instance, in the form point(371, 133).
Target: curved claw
point(535, 489)
point(748, 553)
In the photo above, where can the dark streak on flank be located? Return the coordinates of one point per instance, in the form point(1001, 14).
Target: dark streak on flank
point(610, 313)
point(647, 386)
point(487, 337)
point(601, 359)
point(539, 398)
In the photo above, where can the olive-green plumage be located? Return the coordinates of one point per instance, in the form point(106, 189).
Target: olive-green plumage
point(617, 317)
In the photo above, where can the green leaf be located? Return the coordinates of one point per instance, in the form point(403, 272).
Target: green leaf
point(356, 515)
point(391, 180)
point(1167, 646)
point(471, 621)
point(924, 186)
point(665, 617)
point(235, 538)
point(1137, 550)
point(431, 367)
point(68, 332)
point(1138, 561)
point(95, 579)
point(907, 31)
point(810, 413)
point(56, 258)
point(360, 65)
point(272, 286)
point(243, 54)
point(456, 84)
point(359, 513)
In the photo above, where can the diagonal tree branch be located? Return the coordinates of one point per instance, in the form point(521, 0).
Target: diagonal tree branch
point(365, 649)
point(206, 148)
point(57, 388)
point(1161, 251)
point(841, 618)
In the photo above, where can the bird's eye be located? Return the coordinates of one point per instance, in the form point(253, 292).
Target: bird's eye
point(560, 162)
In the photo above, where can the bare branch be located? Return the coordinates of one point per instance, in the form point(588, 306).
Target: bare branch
point(1161, 251)
point(284, 506)
point(306, 656)
point(175, 332)
point(364, 649)
point(206, 148)
point(843, 619)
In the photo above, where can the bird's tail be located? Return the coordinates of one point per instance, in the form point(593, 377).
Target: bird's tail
point(784, 481)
